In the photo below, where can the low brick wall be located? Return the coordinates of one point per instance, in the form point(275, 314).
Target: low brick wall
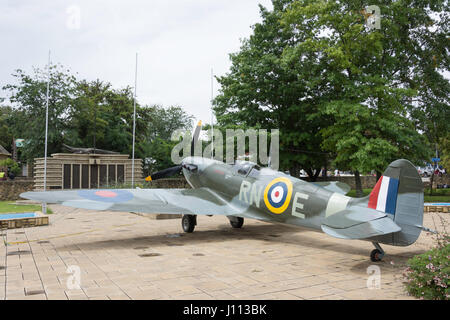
point(11, 189)
point(368, 182)
point(445, 179)
point(176, 183)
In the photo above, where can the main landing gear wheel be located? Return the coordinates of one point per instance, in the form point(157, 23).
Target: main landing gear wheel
point(377, 254)
point(237, 222)
point(188, 223)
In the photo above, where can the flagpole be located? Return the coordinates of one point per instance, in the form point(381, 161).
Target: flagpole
point(212, 114)
point(134, 121)
point(44, 205)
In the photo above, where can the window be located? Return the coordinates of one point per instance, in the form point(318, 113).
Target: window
point(76, 176)
point(67, 176)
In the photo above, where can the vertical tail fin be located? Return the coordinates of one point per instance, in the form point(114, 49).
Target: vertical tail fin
point(399, 193)
point(384, 196)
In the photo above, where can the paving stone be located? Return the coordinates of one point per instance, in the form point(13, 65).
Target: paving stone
point(260, 261)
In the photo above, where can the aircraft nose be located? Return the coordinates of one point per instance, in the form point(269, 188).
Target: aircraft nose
point(190, 167)
point(194, 164)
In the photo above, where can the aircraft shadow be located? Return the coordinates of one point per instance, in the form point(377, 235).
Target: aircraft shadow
point(270, 233)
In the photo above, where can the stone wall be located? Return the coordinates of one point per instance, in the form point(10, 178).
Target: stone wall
point(177, 183)
point(445, 179)
point(368, 182)
point(11, 189)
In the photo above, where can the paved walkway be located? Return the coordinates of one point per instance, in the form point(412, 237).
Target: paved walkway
point(126, 256)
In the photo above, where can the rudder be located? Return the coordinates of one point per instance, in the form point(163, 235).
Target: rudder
point(399, 193)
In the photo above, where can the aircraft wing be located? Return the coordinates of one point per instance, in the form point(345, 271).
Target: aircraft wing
point(359, 223)
point(200, 201)
point(334, 186)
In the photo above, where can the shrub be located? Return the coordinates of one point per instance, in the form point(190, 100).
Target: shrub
point(10, 163)
point(427, 275)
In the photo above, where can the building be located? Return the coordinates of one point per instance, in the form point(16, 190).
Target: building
point(66, 171)
point(4, 154)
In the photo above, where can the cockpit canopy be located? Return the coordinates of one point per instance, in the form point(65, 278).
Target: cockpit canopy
point(245, 167)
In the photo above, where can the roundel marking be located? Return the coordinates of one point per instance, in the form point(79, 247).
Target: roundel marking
point(277, 195)
point(111, 196)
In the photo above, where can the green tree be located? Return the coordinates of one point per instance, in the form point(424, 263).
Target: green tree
point(445, 147)
point(156, 143)
point(86, 114)
point(374, 77)
point(261, 90)
point(5, 127)
point(102, 117)
point(28, 97)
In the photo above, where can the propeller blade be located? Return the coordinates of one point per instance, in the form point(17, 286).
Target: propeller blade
point(195, 137)
point(164, 173)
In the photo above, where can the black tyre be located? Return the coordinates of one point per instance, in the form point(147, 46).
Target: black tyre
point(237, 223)
point(376, 255)
point(188, 223)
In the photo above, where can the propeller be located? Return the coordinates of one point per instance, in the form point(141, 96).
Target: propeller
point(195, 137)
point(177, 169)
point(164, 173)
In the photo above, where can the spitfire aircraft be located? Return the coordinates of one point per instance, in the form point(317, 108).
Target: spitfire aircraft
point(392, 214)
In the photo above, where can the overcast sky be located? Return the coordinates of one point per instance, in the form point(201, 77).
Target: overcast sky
point(178, 42)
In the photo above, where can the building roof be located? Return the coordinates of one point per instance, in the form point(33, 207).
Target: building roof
point(3, 151)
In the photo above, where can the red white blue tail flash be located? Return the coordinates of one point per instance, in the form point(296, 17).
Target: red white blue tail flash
point(384, 196)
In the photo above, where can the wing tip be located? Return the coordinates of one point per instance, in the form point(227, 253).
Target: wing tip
point(26, 195)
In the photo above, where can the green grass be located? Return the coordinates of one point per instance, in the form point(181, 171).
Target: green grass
point(352, 193)
point(439, 195)
point(11, 207)
point(438, 192)
point(437, 198)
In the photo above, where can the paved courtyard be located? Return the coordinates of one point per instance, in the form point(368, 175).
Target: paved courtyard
point(126, 256)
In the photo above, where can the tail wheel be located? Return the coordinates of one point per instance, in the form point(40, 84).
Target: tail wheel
point(188, 223)
point(237, 223)
point(376, 255)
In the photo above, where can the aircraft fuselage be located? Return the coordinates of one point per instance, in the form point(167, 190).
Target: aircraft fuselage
point(270, 195)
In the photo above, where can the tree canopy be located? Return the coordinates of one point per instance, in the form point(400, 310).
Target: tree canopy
point(262, 91)
point(85, 114)
point(340, 90)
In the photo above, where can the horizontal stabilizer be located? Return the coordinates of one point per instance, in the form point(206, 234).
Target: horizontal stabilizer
point(364, 230)
point(352, 216)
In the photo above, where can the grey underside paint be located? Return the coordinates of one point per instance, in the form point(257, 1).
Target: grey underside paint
point(351, 217)
point(200, 201)
point(364, 230)
point(359, 223)
point(220, 195)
